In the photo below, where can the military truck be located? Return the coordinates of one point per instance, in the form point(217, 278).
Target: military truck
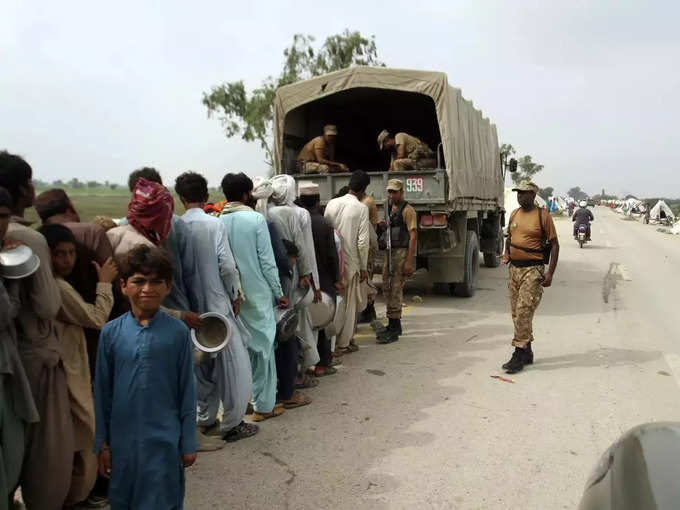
point(459, 203)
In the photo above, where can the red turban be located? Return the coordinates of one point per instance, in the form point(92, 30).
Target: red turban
point(150, 210)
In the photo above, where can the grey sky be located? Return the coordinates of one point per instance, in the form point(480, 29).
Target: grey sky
point(589, 89)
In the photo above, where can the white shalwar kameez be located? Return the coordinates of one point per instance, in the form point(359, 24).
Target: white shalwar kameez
point(350, 218)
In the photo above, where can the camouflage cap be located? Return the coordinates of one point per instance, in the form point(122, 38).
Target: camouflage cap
point(381, 138)
point(526, 186)
point(395, 185)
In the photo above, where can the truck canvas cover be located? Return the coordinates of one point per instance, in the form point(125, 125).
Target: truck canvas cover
point(469, 141)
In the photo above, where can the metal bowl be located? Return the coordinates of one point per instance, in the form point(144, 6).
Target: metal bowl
point(18, 262)
point(213, 334)
point(302, 297)
point(286, 323)
point(322, 313)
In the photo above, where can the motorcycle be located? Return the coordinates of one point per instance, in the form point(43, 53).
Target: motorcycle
point(582, 235)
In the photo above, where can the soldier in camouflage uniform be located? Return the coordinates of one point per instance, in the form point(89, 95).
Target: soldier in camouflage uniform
point(532, 239)
point(403, 231)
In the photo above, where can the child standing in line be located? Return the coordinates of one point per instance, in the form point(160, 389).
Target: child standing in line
point(145, 399)
point(74, 315)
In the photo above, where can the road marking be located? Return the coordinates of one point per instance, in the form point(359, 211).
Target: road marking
point(673, 361)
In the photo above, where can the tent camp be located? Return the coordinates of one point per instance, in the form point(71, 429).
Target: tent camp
point(661, 211)
point(541, 203)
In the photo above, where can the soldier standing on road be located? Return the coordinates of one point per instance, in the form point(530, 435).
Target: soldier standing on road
point(531, 236)
point(403, 225)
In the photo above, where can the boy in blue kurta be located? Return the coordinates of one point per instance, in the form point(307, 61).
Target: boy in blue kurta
point(145, 400)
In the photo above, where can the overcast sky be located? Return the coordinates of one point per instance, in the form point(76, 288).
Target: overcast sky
point(589, 89)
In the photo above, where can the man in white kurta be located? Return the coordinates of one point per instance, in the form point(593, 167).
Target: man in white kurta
point(227, 375)
point(297, 229)
point(350, 217)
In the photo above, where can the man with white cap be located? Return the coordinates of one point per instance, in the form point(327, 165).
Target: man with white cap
point(407, 152)
point(317, 156)
point(327, 262)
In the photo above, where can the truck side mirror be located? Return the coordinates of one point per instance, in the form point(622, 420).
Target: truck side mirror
point(512, 165)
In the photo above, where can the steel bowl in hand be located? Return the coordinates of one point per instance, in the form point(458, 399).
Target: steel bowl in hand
point(322, 313)
point(18, 262)
point(213, 334)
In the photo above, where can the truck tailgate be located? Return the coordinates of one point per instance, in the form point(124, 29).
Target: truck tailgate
point(422, 187)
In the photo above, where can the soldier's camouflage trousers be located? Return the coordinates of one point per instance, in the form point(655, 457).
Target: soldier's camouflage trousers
point(393, 285)
point(525, 296)
point(311, 167)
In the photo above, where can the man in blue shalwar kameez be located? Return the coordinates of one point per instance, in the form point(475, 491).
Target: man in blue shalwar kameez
point(145, 399)
point(252, 249)
point(224, 376)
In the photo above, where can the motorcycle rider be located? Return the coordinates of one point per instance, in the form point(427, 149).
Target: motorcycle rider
point(582, 216)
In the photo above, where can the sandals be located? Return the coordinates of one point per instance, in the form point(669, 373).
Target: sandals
point(322, 371)
point(240, 431)
point(299, 399)
point(308, 381)
point(341, 351)
point(277, 411)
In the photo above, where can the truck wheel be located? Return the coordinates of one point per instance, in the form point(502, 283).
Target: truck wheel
point(494, 259)
point(441, 289)
point(468, 287)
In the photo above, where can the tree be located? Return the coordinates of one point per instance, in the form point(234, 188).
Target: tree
point(93, 184)
point(577, 193)
point(75, 183)
point(527, 169)
point(546, 193)
point(58, 183)
point(250, 115)
point(506, 151)
point(113, 185)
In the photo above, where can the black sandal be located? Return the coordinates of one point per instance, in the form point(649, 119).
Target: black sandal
point(240, 431)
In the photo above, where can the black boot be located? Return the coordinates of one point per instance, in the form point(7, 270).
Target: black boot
point(528, 355)
point(367, 315)
point(517, 362)
point(390, 333)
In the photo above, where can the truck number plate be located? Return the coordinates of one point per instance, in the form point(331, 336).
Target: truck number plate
point(414, 184)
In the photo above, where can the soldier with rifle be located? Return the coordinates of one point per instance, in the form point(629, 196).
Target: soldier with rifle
point(400, 240)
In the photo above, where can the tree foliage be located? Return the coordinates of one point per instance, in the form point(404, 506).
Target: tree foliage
point(526, 169)
point(250, 114)
point(577, 193)
point(546, 193)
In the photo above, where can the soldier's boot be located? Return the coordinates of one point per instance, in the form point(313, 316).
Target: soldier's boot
point(368, 315)
point(528, 356)
point(517, 362)
point(390, 333)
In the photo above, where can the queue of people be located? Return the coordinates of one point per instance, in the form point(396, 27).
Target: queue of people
point(104, 399)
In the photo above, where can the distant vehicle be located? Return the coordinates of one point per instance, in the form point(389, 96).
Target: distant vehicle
point(459, 202)
point(582, 235)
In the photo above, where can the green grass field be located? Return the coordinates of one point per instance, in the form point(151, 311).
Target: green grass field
point(106, 202)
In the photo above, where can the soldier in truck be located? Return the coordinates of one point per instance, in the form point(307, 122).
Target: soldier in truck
point(316, 157)
point(408, 152)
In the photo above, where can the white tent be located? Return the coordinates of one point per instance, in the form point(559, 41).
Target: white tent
point(511, 202)
point(661, 211)
point(541, 203)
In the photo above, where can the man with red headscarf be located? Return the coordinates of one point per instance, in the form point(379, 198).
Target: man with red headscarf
point(149, 218)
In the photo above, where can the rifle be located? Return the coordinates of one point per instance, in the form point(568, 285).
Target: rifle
point(388, 245)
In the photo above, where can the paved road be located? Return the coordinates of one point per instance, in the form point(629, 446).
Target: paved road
point(421, 424)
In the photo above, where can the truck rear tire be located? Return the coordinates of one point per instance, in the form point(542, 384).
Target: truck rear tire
point(494, 259)
point(468, 287)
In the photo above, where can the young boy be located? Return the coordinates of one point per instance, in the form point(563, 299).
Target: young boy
point(144, 393)
point(74, 315)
